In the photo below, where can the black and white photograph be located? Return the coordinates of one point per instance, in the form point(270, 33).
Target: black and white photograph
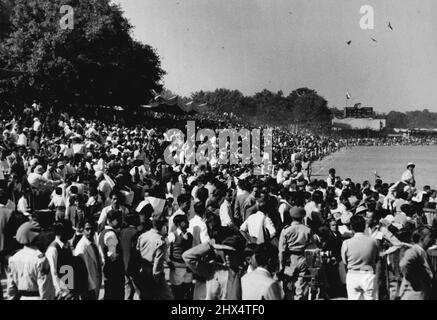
point(230, 150)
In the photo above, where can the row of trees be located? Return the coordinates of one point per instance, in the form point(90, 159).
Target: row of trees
point(96, 62)
point(412, 119)
point(302, 107)
point(99, 63)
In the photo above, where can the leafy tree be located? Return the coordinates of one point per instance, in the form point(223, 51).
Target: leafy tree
point(97, 62)
point(220, 100)
point(6, 8)
point(397, 119)
point(310, 110)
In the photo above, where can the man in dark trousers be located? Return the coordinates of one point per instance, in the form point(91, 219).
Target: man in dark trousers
point(153, 248)
point(110, 249)
point(128, 239)
point(293, 241)
point(180, 276)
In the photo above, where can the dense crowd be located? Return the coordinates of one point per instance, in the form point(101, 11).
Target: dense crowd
point(89, 209)
point(403, 140)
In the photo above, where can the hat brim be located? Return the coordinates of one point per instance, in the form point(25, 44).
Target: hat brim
point(222, 247)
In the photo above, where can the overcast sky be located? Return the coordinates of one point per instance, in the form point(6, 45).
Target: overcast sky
point(250, 45)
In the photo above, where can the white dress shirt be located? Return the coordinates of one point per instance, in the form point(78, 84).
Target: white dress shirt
point(199, 230)
point(254, 223)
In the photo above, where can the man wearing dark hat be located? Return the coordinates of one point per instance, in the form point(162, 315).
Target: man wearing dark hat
point(223, 278)
point(293, 241)
point(29, 270)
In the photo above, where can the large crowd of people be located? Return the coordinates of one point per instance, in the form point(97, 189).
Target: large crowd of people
point(395, 140)
point(90, 210)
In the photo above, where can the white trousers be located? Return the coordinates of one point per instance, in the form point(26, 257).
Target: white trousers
point(360, 285)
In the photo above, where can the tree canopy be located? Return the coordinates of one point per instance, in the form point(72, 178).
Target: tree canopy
point(302, 107)
point(97, 62)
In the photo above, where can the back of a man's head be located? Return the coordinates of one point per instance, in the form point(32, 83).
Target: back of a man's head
point(264, 254)
point(3, 197)
point(420, 233)
point(358, 223)
point(199, 209)
point(183, 198)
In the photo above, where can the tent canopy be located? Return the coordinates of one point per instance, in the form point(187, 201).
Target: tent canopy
point(174, 105)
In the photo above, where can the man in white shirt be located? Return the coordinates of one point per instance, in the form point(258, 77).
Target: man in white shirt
point(226, 216)
point(116, 200)
point(197, 226)
point(256, 224)
point(110, 250)
point(22, 138)
point(331, 179)
point(59, 256)
point(260, 284)
point(104, 186)
point(184, 203)
point(36, 180)
point(36, 125)
point(138, 172)
point(88, 251)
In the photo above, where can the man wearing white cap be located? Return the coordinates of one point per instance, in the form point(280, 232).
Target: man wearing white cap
point(408, 175)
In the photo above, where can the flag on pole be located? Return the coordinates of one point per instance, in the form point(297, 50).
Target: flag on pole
point(348, 95)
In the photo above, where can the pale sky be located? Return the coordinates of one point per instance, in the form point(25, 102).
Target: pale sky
point(251, 45)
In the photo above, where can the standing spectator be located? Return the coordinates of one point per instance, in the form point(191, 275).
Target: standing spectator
point(5, 215)
point(153, 248)
point(59, 255)
point(260, 284)
point(293, 241)
point(110, 250)
point(87, 250)
point(184, 202)
point(226, 216)
point(128, 239)
point(180, 276)
point(240, 201)
point(223, 279)
point(417, 273)
point(198, 227)
point(29, 275)
point(258, 226)
point(116, 205)
point(360, 255)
